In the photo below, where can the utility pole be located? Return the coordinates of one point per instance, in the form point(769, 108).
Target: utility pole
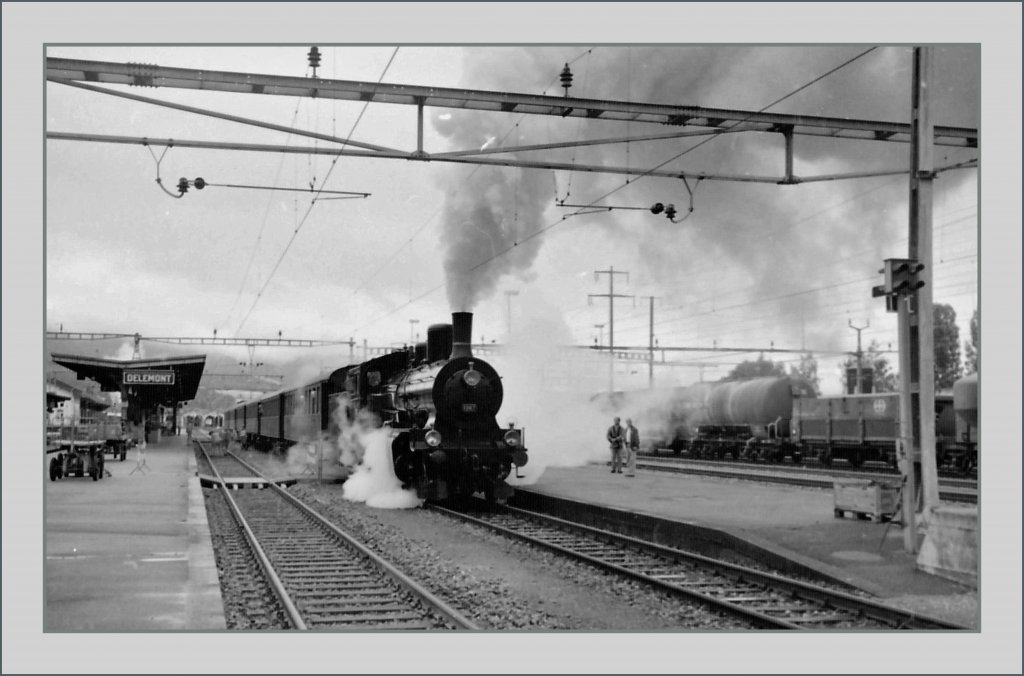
point(508, 313)
point(611, 296)
point(650, 356)
point(858, 389)
point(919, 385)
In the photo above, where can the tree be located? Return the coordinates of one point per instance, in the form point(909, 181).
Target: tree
point(758, 368)
point(882, 376)
point(807, 371)
point(971, 347)
point(947, 346)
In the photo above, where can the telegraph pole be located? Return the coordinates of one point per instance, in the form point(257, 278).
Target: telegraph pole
point(611, 296)
point(508, 310)
point(858, 389)
point(650, 355)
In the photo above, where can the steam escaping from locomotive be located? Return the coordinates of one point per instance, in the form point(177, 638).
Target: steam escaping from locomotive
point(489, 212)
point(548, 390)
point(762, 237)
point(374, 481)
point(364, 449)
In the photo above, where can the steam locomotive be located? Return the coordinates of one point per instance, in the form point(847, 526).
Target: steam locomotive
point(775, 418)
point(439, 402)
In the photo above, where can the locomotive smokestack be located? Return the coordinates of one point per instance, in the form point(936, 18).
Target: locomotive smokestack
point(462, 330)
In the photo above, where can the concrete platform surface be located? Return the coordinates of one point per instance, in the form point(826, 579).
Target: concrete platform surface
point(132, 551)
point(797, 522)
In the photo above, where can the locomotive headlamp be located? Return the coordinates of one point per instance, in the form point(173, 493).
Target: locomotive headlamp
point(433, 438)
point(472, 377)
point(512, 438)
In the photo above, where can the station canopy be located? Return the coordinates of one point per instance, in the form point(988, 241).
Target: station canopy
point(146, 381)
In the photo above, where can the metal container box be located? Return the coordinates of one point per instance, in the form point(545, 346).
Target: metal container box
point(866, 499)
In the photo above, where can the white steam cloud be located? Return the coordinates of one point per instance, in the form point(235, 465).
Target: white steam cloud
point(549, 391)
point(366, 450)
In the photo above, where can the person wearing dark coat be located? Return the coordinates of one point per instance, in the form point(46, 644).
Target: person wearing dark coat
point(615, 443)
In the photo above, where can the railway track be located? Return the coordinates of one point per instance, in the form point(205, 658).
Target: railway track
point(952, 490)
point(323, 577)
point(764, 599)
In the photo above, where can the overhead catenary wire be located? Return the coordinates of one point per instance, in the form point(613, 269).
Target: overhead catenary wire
point(408, 243)
point(309, 210)
point(541, 231)
point(263, 225)
point(544, 229)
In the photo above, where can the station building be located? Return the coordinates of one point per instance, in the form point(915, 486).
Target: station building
point(151, 390)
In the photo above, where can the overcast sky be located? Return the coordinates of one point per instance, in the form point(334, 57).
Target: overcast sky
point(754, 264)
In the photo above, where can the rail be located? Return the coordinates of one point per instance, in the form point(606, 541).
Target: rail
point(765, 599)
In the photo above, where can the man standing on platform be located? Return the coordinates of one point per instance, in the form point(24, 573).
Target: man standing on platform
point(615, 442)
point(632, 446)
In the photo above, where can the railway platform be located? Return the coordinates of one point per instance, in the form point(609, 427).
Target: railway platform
point(796, 523)
point(132, 551)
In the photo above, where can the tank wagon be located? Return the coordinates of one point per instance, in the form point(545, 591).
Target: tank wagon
point(775, 418)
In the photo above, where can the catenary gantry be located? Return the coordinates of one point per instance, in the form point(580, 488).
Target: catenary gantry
point(147, 75)
point(696, 120)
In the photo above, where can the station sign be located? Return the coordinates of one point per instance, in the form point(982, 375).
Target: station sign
point(148, 377)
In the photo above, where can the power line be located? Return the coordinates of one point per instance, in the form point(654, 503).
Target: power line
point(408, 243)
point(313, 203)
point(263, 223)
point(541, 231)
